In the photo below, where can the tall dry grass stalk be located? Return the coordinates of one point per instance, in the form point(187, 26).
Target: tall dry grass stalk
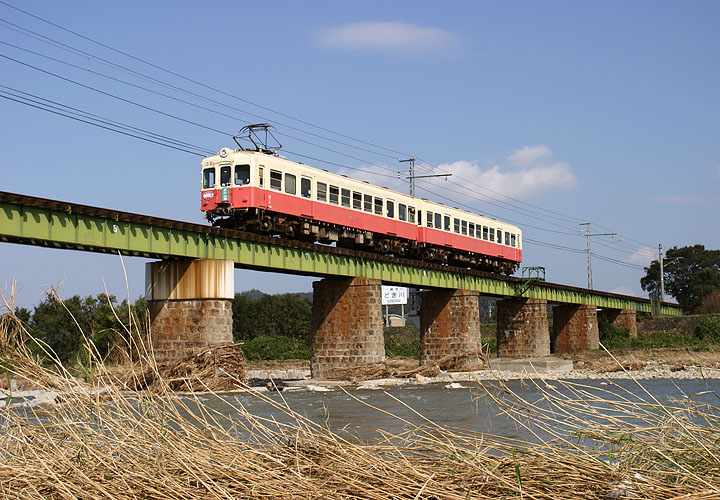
point(118, 444)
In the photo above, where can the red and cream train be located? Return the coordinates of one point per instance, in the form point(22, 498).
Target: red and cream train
point(259, 191)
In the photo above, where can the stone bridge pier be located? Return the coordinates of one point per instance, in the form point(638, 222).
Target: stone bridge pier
point(575, 328)
point(190, 305)
point(621, 318)
point(522, 328)
point(449, 325)
point(347, 324)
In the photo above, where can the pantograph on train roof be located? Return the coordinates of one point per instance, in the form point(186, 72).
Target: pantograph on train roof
point(261, 137)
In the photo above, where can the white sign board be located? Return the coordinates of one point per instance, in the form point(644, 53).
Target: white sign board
point(394, 295)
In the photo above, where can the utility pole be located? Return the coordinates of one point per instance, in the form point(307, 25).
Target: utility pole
point(587, 250)
point(662, 274)
point(412, 176)
point(411, 171)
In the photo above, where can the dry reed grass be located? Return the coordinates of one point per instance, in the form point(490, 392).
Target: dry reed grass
point(142, 445)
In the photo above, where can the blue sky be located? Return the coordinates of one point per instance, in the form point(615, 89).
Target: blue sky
point(548, 114)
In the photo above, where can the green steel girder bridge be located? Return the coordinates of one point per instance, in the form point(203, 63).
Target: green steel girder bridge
point(57, 224)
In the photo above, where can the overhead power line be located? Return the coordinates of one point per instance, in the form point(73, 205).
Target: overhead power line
point(119, 67)
point(541, 214)
point(78, 51)
point(101, 124)
point(169, 85)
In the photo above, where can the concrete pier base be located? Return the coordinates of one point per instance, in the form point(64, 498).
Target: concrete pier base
point(347, 324)
point(449, 325)
point(621, 318)
point(575, 328)
point(190, 305)
point(522, 328)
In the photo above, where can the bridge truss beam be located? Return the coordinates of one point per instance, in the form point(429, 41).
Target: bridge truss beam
point(54, 224)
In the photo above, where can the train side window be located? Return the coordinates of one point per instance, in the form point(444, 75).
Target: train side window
point(208, 178)
point(471, 230)
point(242, 175)
point(464, 228)
point(275, 180)
point(305, 187)
point(447, 223)
point(492, 234)
point(507, 238)
point(429, 219)
point(290, 184)
point(512, 240)
point(411, 215)
point(456, 225)
point(334, 195)
point(367, 203)
point(485, 233)
point(261, 176)
point(345, 197)
point(321, 191)
point(224, 176)
point(499, 236)
point(438, 221)
point(357, 200)
point(378, 206)
point(402, 211)
point(390, 206)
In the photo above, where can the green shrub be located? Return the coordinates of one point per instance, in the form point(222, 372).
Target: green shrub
point(708, 329)
point(266, 347)
point(613, 337)
point(490, 346)
point(394, 349)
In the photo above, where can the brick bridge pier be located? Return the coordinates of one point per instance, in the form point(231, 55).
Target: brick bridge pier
point(190, 304)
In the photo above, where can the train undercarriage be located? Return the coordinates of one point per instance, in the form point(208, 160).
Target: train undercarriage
point(295, 228)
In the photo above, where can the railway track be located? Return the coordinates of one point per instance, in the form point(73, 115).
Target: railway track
point(117, 215)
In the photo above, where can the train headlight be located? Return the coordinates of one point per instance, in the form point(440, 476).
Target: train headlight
point(224, 152)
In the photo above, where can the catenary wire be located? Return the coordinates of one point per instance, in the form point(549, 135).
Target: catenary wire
point(88, 55)
point(95, 124)
point(315, 159)
point(100, 125)
point(164, 83)
point(220, 113)
point(230, 95)
point(85, 114)
point(77, 51)
point(196, 82)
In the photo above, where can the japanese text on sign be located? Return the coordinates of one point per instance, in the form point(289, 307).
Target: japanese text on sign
point(394, 295)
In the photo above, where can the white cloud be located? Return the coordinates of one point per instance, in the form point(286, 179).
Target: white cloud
point(528, 156)
point(643, 256)
point(533, 172)
point(386, 36)
point(470, 181)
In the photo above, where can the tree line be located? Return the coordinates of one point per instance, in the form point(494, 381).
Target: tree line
point(279, 326)
point(691, 275)
point(267, 326)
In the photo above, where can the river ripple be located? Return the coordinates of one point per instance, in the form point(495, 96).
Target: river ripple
point(350, 412)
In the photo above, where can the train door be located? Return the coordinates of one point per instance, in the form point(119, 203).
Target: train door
point(306, 204)
point(262, 181)
point(225, 179)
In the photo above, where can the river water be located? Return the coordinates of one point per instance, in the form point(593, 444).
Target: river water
point(363, 414)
